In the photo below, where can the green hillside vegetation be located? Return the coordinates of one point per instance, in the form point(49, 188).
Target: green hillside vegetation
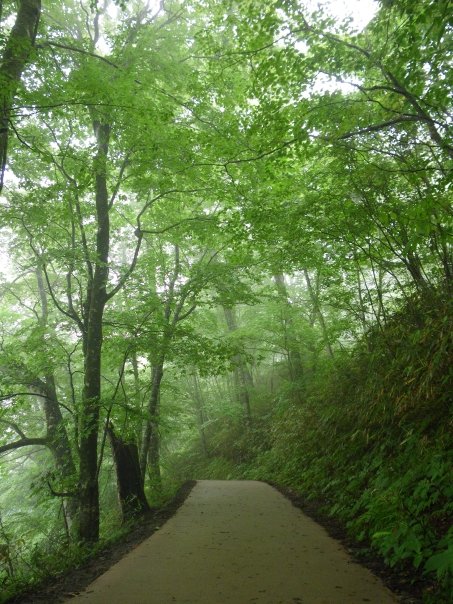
point(369, 441)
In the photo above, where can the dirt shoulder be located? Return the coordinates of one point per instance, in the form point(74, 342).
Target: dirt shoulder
point(58, 589)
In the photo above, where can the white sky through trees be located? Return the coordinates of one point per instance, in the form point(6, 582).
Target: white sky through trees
point(361, 11)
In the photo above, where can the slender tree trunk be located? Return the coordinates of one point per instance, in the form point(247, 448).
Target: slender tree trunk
point(15, 56)
point(362, 308)
point(444, 252)
point(56, 431)
point(150, 452)
point(379, 282)
point(57, 436)
point(317, 308)
point(154, 474)
point(6, 550)
point(414, 266)
point(220, 390)
point(60, 448)
point(241, 374)
point(200, 412)
point(149, 455)
point(136, 397)
point(291, 342)
point(89, 416)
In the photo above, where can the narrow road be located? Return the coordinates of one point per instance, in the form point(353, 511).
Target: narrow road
point(237, 542)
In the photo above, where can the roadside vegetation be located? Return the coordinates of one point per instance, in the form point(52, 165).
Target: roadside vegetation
point(369, 442)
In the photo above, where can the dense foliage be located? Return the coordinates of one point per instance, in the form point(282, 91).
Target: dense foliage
point(370, 442)
point(229, 237)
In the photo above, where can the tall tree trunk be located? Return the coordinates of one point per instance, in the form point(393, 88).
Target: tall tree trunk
point(136, 396)
point(57, 436)
point(97, 298)
point(15, 56)
point(150, 451)
point(445, 253)
point(60, 448)
point(201, 416)
point(317, 308)
point(149, 455)
point(415, 269)
point(362, 307)
point(89, 427)
point(241, 375)
point(291, 342)
point(129, 481)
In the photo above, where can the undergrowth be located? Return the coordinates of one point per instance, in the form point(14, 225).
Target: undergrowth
point(373, 443)
point(55, 556)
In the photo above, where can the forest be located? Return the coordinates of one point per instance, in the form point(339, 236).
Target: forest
point(226, 252)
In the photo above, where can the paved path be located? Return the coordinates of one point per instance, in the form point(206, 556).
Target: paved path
point(237, 542)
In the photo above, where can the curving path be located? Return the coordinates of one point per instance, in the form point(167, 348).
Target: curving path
point(237, 542)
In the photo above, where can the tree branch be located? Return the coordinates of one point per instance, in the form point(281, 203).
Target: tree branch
point(58, 493)
point(173, 226)
point(23, 442)
point(6, 397)
point(397, 87)
point(80, 50)
point(65, 312)
point(14, 426)
point(380, 126)
point(124, 165)
point(150, 202)
point(73, 182)
point(187, 313)
point(129, 271)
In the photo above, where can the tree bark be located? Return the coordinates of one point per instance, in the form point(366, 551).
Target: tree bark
point(201, 416)
point(24, 442)
point(15, 56)
point(291, 343)
point(57, 435)
point(129, 481)
point(150, 451)
point(150, 456)
point(241, 375)
point(97, 298)
point(415, 269)
point(317, 308)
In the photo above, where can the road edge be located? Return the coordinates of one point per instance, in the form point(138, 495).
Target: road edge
point(360, 552)
point(56, 590)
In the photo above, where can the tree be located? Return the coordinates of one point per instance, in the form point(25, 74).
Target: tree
point(36, 378)
point(90, 192)
point(15, 56)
